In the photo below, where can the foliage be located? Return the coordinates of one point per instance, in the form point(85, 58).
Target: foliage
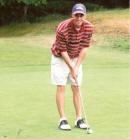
point(17, 10)
point(93, 7)
point(33, 2)
point(1, 2)
point(63, 7)
point(33, 10)
point(107, 3)
point(28, 2)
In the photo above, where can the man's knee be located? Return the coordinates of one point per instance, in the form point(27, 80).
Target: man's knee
point(75, 89)
point(61, 88)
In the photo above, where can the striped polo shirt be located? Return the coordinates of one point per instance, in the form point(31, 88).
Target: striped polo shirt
point(71, 40)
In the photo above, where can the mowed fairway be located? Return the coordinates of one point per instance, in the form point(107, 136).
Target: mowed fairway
point(27, 97)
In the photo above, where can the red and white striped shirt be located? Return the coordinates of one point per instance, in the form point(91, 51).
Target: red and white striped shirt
point(70, 40)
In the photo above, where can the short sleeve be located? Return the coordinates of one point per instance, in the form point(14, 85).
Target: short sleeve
point(60, 42)
point(85, 42)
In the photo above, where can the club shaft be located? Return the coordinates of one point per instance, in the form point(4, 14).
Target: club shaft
point(83, 109)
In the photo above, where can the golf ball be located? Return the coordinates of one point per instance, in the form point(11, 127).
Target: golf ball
point(89, 131)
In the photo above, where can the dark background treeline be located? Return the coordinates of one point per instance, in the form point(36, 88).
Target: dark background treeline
point(20, 11)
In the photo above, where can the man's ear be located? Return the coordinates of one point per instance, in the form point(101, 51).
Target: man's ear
point(72, 15)
point(85, 16)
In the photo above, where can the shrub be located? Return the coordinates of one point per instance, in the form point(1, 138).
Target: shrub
point(93, 7)
point(63, 7)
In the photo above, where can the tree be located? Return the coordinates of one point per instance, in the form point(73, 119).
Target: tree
point(25, 3)
point(30, 2)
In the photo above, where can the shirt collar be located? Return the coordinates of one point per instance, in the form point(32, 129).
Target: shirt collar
point(73, 28)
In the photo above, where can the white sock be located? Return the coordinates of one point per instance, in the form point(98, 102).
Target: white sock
point(78, 118)
point(64, 118)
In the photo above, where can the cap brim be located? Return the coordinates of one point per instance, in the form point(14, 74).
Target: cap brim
point(79, 12)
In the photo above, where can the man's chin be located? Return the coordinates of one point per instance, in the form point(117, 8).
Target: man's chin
point(79, 25)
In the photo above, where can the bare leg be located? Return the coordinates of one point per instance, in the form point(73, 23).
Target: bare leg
point(77, 101)
point(60, 100)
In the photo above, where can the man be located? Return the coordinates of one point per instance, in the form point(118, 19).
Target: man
point(72, 40)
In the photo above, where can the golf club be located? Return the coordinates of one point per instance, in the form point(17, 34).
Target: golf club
point(88, 130)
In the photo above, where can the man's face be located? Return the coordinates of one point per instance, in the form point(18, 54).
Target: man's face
point(78, 19)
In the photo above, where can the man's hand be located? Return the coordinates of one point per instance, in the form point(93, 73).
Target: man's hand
point(74, 73)
point(80, 58)
point(73, 69)
point(78, 63)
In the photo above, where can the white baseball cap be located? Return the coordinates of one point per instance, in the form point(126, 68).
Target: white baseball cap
point(79, 8)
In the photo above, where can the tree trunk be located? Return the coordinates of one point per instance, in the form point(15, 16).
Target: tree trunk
point(25, 10)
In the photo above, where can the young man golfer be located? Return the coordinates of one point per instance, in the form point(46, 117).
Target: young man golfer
point(70, 47)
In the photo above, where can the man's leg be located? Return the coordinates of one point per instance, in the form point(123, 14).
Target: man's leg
point(80, 123)
point(77, 101)
point(59, 73)
point(63, 124)
point(60, 100)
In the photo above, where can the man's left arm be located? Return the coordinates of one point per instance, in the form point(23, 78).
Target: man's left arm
point(84, 48)
point(80, 58)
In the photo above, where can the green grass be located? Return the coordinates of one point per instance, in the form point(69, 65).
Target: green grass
point(27, 97)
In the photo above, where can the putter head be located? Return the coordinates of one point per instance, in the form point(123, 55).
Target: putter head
point(89, 131)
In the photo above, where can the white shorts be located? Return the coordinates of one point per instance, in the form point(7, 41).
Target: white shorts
point(60, 72)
